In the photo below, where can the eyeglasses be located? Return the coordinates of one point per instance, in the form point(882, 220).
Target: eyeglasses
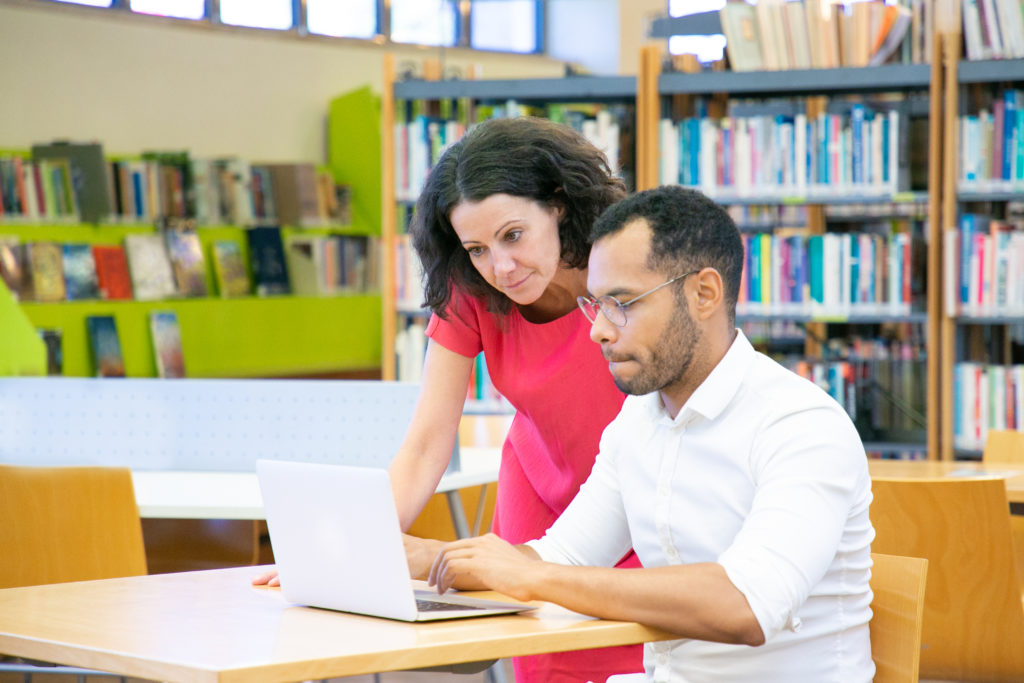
point(614, 309)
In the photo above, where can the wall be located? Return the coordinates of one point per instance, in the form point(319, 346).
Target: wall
point(138, 83)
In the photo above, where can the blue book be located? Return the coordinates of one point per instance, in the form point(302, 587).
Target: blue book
point(694, 126)
point(967, 228)
point(857, 131)
point(754, 270)
point(105, 345)
point(886, 150)
point(269, 270)
point(815, 267)
point(1019, 145)
point(1009, 127)
point(854, 243)
point(80, 280)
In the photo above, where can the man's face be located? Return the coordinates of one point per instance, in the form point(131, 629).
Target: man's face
point(656, 347)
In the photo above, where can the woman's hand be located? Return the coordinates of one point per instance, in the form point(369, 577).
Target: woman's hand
point(268, 579)
point(420, 554)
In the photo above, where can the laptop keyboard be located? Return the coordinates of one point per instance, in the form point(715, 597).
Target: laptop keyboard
point(435, 606)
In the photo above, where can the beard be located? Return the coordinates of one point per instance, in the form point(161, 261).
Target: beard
point(669, 360)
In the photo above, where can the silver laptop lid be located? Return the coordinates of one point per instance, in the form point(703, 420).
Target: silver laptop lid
point(336, 538)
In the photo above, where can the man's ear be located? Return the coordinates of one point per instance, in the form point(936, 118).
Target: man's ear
point(709, 293)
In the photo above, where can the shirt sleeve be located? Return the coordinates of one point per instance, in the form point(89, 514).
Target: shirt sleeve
point(461, 331)
point(810, 471)
point(593, 530)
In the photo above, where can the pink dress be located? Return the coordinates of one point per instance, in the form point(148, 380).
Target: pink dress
point(564, 397)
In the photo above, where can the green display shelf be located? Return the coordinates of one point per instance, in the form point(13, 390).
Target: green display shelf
point(249, 337)
point(21, 350)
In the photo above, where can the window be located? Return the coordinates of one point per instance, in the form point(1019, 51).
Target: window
point(507, 25)
point(91, 3)
point(707, 48)
point(181, 9)
point(424, 22)
point(276, 14)
point(342, 18)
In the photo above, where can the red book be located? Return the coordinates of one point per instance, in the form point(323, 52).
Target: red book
point(112, 271)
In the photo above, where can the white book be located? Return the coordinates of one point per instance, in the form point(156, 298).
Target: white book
point(800, 153)
point(708, 159)
point(668, 144)
point(993, 24)
point(972, 30)
point(31, 197)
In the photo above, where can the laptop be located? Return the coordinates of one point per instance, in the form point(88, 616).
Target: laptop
point(338, 545)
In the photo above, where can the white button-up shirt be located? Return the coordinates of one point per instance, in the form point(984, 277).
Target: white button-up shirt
point(762, 472)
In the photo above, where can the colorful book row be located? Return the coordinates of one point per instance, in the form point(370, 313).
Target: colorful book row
point(993, 29)
point(420, 141)
point(984, 264)
point(819, 34)
point(884, 395)
point(152, 267)
point(831, 155)
point(84, 185)
point(833, 273)
point(408, 275)
point(986, 397)
point(992, 146)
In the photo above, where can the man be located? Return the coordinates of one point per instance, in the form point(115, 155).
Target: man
point(742, 487)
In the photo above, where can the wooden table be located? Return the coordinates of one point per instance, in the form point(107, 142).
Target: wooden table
point(902, 469)
point(213, 626)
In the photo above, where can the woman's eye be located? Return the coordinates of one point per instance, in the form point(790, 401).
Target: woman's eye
point(513, 235)
point(475, 251)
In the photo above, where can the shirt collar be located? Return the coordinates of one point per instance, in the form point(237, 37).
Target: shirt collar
point(717, 389)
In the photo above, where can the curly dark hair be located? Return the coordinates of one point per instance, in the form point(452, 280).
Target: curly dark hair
point(689, 231)
point(525, 157)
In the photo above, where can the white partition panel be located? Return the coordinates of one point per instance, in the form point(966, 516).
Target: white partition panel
point(201, 424)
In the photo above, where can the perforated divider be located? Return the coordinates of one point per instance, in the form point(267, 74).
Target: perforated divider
point(202, 424)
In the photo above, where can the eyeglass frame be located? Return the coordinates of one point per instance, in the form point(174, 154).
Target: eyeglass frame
point(585, 302)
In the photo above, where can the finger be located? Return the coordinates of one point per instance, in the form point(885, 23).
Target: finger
point(274, 581)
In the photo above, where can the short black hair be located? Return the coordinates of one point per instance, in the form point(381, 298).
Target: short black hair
point(527, 157)
point(689, 231)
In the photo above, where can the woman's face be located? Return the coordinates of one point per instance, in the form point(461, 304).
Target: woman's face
point(513, 243)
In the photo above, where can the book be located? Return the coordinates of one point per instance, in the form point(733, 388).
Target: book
point(53, 340)
point(306, 266)
point(149, 267)
point(80, 280)
point(46, 265)
point(112, 272)
point(13, 270)
point(742, 40)
point(269, 270)
point(105, 345)
point(88, 177)
point(170, 359)
point(186, 254)
point(295, 194)
point(229, 270)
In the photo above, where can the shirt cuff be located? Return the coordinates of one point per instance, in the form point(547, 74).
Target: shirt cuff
point(751, 574)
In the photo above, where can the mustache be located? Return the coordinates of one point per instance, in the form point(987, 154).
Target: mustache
point(614, 358)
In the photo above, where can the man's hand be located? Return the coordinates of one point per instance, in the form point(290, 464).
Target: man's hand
point(485, 562)
point(269, 579)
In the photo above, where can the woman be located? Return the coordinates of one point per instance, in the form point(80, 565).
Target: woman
point(501, 229)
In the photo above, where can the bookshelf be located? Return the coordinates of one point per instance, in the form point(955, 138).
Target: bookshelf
point(465, 101)
point(983, 328)
point(899, 422)
point(250, 336)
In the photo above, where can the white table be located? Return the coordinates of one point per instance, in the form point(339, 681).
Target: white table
point(236, 495)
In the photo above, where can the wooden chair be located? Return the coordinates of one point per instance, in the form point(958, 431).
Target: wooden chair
point(61, 524)
point(898, 585)
point(897, 606)
point(973, 627)
point(1007, 447)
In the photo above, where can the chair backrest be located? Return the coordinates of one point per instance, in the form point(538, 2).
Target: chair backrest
point(973, 617)
point(1004, 445)
point(898, 585)
point(62, 524)
point(1007, 447)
